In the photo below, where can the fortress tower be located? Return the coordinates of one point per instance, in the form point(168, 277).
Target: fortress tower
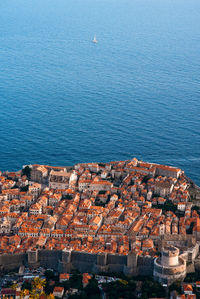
point(33, 258)
point(170, 266)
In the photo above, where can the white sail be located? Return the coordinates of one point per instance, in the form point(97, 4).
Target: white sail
point(95, 40)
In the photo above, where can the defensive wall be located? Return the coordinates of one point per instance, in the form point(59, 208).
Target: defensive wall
point(145, 265)
point(66, 261)
point(9, 262)
point(131, 264)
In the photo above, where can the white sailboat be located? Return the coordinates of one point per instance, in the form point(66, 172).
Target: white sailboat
point(95, 40)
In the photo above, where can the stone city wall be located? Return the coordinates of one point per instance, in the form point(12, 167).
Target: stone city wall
point(65, 261)
point(145, 265)
point(49, 258)
point(12, 261)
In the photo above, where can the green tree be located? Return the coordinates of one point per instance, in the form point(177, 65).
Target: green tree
point(76, 281)
point(49, 274)
point(92, 288)
point(26, 285)
point(120, 289)
point(24, 189)
point(176, 286)
point(152, 289)
point(26, 171)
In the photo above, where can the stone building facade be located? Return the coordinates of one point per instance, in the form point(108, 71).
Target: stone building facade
point(59, 179)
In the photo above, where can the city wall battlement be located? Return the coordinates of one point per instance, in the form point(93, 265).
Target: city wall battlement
point(171, 265)
point(63, 261)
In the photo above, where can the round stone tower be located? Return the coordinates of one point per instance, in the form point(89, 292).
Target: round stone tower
point(170, 266)
point(170, 256)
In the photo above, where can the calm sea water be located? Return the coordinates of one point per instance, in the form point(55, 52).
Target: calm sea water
point(65, 100)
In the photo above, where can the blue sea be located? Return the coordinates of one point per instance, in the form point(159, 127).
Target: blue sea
point(64, 99)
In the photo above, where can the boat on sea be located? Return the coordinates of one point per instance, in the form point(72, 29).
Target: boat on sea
point(95, 41)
